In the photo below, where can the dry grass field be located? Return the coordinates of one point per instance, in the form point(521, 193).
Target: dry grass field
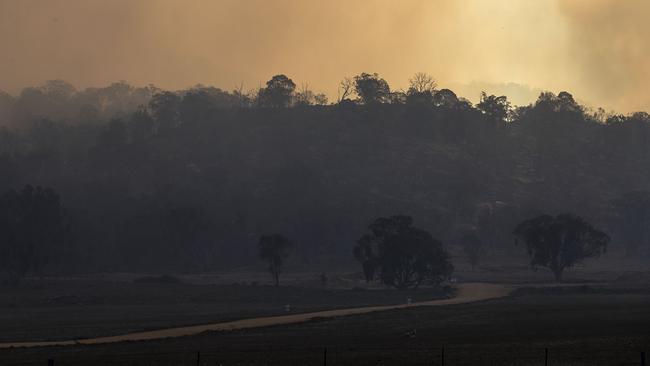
point(599, 317)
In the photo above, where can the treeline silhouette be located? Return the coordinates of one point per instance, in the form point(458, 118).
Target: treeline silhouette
point(142, 179)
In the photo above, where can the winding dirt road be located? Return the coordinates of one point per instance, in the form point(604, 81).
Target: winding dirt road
point(469, 292)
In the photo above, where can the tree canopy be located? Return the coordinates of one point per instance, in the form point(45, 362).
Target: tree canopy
point(406, 256)
point(560, 242)
point(124, 158)
point(278, 92)
point(371, 89)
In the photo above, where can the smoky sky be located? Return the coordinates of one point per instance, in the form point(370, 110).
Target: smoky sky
point(596, 49)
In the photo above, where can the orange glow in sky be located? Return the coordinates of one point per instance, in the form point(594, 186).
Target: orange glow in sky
point(596, 49)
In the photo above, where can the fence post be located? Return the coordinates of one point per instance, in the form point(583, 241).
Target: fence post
point(325, 356)
point(50, 362)
point(442, 356)
point(546, 356)
point(642, 358)
point(198, 358)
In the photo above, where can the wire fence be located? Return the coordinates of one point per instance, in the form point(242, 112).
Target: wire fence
point(341, 356)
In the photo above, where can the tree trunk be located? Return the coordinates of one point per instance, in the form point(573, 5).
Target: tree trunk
point(275, 274)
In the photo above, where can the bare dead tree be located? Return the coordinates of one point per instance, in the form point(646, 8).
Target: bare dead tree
point(422, 82)
point(346, 88)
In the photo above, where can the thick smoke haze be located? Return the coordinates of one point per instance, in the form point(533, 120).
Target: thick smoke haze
point(595, 49)
point(610, 48)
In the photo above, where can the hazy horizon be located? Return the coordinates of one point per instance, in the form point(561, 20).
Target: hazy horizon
point(594, 49)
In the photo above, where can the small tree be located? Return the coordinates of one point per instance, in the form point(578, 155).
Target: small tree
point(473, 248)
point(274, 249)
point(346, 89)
point(560, 242)
point(405, 255)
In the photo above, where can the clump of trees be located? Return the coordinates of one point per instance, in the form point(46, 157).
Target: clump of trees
point(560, 242)
point(274, 249)
point(127, 161)
point(371, 89)
point(281, 92)
point(404, 255)
point(496, 108)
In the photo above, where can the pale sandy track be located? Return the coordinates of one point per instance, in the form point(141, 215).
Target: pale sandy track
point(469, 292)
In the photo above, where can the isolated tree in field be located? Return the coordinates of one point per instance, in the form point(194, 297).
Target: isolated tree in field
point(32, 229)
point(406, 256)
point(368, 251)
point(473, 248)
point(274, 249)
point(560, 242)
point(278, 92)
point(414, 257)
point(371, 88)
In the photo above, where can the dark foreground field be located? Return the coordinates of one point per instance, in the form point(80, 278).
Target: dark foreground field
point(579, 326)
point(78, 308)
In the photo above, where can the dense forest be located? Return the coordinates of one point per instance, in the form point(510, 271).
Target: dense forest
point(141, 179)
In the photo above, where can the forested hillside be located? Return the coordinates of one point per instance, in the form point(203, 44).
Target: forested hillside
point(153, 180)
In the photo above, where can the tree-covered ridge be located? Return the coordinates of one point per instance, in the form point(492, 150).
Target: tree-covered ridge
point(149, 176)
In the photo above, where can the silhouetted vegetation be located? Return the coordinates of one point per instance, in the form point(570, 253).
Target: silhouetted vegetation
point(560, 242)
point(186, 181)
point(405, 256)
point(274, 249)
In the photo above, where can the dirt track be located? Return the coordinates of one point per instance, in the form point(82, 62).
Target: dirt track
point(469, 292)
